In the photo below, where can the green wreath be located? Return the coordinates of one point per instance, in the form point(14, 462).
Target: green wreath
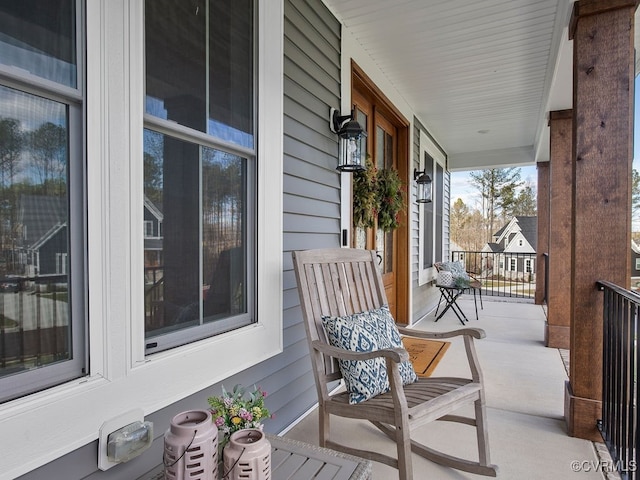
point(377, 194)
point(364, 196)
point(391, 199)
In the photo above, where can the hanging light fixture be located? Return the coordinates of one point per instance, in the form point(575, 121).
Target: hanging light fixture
point(353, 149)
point(423, 184)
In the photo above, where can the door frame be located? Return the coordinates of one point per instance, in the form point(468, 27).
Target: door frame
point(363, 84)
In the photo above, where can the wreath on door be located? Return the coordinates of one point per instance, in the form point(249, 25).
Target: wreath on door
point(391, 199)
point(364, 196)
point(377, 195)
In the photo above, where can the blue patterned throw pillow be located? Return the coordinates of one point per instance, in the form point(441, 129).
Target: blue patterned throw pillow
point(456, 269)
point(366, 332)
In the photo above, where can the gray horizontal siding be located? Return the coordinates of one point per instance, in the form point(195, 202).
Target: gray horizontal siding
point(311, 200)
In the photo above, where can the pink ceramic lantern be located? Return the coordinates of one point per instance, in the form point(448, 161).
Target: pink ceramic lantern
point(191, 447)
point(247, 456)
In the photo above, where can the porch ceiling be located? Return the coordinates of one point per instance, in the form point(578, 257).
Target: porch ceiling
point(480, 75)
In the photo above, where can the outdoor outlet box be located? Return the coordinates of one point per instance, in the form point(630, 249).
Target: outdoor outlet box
point(123, 438)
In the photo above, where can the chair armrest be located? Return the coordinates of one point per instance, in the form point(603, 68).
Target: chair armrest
point(396, 355)
point(467, 333)
point(472, 332)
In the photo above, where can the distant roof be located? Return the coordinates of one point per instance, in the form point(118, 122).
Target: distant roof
point(41, 214)
point(529, 228)
point(495, 247)
point(501, 231)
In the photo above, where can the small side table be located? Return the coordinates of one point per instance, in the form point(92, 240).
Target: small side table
point(451, 294)
point(294, 460)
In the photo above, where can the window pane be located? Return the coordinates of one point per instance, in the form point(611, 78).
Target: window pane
point(439, 201)
point(231, 72)
point(428, 233)
point(223, 228)
point(363, 120)
point(200, 67)
point(34, 300)
point(40, 37)
point(196, 267)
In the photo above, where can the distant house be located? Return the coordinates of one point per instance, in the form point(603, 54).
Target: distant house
point(42, 245)
point(153, 219)
point(635, 265)
point(511, 253)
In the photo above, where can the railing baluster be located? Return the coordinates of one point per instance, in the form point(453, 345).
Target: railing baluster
point(619, 423)
point(504, 275)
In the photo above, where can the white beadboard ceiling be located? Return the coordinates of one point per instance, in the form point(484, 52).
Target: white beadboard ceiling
point(481, 75)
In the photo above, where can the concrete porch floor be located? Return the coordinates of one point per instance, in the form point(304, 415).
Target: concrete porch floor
point(524, 390)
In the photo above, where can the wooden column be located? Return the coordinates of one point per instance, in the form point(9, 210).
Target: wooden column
point(561, 193)
point(542, 244)
point(603, 71)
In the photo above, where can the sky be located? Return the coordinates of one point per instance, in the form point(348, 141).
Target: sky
point(461, 188)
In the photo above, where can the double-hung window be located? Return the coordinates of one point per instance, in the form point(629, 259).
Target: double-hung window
point(200, 168)
point(129, 139)
point(42, 293)
point(431, 226)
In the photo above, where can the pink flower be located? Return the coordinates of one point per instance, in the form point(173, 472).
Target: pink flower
point(245, 414)
point(219, 422)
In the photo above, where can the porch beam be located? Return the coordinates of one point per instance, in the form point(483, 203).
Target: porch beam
point(560, 250)
point(603, 80)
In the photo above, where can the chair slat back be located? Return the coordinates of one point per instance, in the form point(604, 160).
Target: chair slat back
point(336, 282)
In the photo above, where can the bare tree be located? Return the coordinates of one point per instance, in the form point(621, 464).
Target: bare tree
point(11, 144)
point(496, 187)
point(48, 145)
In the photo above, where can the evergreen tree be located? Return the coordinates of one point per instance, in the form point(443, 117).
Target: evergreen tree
point(526, 202)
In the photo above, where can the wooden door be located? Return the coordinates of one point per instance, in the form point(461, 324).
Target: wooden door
point(382, 146)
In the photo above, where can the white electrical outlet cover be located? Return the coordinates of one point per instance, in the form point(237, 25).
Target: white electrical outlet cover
point(111, 426)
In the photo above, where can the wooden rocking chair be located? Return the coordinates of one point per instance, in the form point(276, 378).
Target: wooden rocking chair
point(343, 281)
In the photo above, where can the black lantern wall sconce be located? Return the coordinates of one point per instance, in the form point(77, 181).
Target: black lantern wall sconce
point(353, 147)
point(424, 186)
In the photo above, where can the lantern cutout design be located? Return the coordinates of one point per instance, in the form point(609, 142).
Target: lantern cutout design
point(247, 456)
point(191, 447)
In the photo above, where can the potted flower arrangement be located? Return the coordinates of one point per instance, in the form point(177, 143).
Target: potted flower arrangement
point(232, 411)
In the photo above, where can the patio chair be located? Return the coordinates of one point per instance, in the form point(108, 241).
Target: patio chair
point(470, 282)
point(339, 284)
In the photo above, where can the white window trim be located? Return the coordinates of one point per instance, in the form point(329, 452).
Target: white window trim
point(513, 264)
point(528, 265)
point(120, 377)
point(427, 145)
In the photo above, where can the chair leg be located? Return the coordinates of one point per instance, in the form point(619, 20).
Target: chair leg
point(403, 442)
point(482, 433)
point(324, 426)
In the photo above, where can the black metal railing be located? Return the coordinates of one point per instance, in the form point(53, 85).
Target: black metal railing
point(502, 274)
point(619, 422)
